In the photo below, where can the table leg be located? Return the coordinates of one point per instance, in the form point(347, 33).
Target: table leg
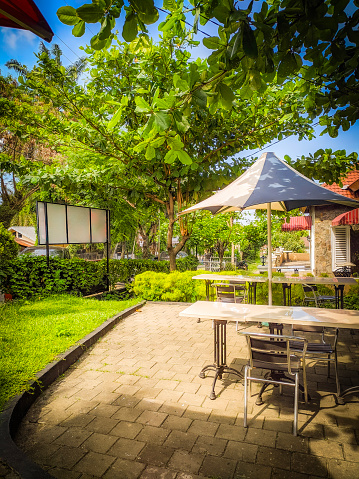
point(219, 365)
point(208, 283)
point(287, 294)
point(252, 293)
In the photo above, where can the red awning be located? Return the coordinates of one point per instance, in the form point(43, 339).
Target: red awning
point(25, 15)
point(298, 223)
point(348, 218)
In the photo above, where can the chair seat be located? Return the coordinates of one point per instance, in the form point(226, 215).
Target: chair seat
point(326, 298)
point(313, 348)
point(277, 366)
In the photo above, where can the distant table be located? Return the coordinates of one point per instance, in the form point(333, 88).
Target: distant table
point(223, 312)
point(252, 280)
point(337, 282)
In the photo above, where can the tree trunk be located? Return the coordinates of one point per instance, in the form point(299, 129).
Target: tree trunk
point(172, 252)
point(221, 248)
point(123, 250)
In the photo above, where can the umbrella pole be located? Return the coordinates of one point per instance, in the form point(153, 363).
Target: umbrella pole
point(269, 233)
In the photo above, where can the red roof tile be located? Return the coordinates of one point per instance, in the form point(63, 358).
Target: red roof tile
point(347, 180)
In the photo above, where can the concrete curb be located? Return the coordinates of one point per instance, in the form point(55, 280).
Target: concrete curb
point(16, 409)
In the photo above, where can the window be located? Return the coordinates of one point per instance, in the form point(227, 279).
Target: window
point(340, 245)
point(19, 235)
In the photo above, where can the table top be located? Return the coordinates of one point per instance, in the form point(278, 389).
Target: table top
point(231, 277)
point(338, 318)
point(313, 280)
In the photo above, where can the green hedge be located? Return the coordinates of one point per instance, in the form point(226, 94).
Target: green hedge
point(29, 276)
point(177, 286)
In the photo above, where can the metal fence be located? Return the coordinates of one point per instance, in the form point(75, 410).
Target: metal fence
point(213, 265)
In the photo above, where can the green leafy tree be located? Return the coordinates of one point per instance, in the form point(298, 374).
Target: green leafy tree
point(214, 233)
point(257, 43)
point(8, 247)
point(152, 139)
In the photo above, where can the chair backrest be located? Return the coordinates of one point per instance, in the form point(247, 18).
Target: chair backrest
point(310, 293)
point(317, 330)
point(307, 329)
point(228, 292)
point(268, 354)
point(310, 288)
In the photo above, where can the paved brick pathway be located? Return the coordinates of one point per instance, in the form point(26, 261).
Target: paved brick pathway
point(134, 407)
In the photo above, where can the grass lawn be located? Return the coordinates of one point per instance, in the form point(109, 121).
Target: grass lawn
point(33, 333)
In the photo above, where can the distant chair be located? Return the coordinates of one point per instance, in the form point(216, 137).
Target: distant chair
point(311, 296)
point(232, 293)
point(343, 272)
point(321, 350)
point(282, 364)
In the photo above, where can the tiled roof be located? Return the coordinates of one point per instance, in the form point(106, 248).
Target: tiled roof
point(347, 180)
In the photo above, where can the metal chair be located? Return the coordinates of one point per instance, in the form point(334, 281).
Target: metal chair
point(283, 366)
point(319, 351)
point(311, 296)
point(232, 293)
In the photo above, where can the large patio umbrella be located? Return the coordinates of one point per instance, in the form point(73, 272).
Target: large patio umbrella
point(270, 184)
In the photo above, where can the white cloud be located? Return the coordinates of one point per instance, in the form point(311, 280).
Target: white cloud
point(15, 39)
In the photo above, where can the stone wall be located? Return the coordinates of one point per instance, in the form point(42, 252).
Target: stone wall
point(324, 216)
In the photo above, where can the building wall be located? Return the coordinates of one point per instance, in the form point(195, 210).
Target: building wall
point(324, 216)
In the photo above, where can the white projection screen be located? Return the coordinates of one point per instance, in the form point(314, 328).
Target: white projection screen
point(65, 224)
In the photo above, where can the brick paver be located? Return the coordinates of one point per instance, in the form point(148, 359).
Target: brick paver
point(134, 407)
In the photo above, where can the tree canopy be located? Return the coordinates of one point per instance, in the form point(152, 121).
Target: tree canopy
point(149, 132)
point(257, 43)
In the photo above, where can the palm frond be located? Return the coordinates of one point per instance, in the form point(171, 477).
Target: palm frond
point(43, 49)
point(17, 67)
point(56, 52)
point(76, 68)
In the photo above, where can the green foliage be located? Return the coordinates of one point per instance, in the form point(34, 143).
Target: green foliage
point(254, 46)
point(188, 263)
point(32, 334)
point(144, 136)
point(29, 276)
point(351, 298)
point(8, 247)
point(325, 165)
point(289, 240)
point(175, 286)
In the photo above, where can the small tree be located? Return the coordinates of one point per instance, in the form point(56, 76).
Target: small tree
point(8, 247)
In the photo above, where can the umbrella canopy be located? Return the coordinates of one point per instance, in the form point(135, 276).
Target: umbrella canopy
point(270, 183)
point(271, 180)
point(25, 15)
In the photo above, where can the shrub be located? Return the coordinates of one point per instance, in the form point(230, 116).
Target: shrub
point(175, 286)
point(351, 299)
point(188, 263)
point(28, 276)
point(8, 247)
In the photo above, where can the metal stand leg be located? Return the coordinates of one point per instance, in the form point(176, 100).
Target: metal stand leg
point(219, 365)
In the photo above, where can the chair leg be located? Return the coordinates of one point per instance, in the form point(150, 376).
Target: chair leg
point(296, 394)
point(336, 372)
point(328, 366)
point(305, 384)
point(245, 396)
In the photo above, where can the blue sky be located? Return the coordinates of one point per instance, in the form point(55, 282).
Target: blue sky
point(21, 45)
